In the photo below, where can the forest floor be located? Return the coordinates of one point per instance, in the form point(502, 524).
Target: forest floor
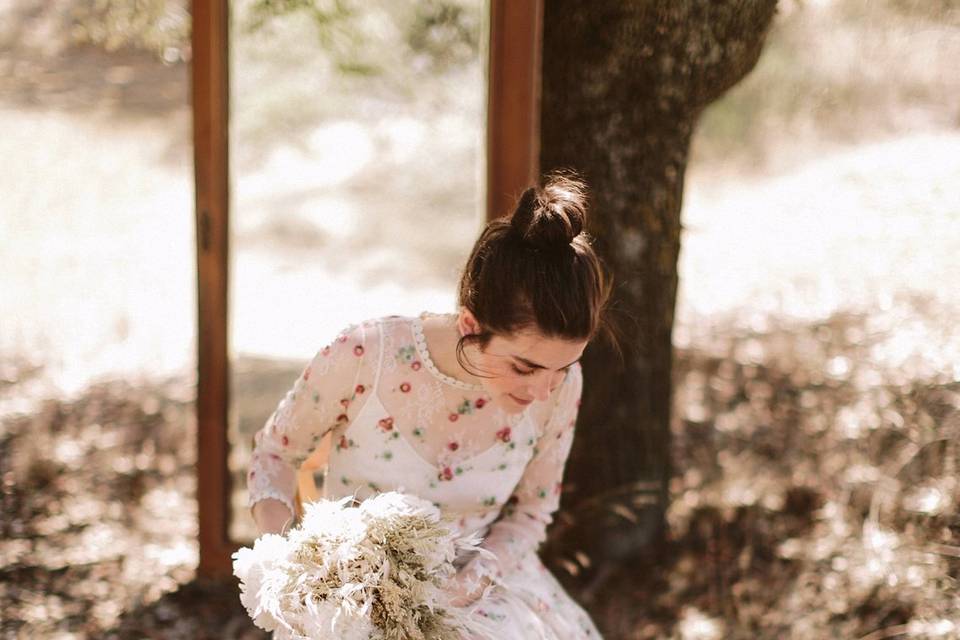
point(817, 381)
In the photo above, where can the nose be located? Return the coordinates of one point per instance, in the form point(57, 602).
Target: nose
point(543, 386)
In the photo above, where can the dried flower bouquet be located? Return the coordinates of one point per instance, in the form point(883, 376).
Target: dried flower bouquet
point(378, 571)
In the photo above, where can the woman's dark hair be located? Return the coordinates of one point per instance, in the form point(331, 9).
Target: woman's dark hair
point(537, 270)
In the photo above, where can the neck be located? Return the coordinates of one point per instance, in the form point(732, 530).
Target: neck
point(442, 337)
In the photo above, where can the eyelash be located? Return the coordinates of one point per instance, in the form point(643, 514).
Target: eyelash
point(518, 371)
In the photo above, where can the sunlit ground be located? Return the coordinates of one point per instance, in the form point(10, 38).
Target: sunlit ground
point(817, 381)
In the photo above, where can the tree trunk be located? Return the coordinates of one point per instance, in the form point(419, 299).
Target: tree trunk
point(623, 85)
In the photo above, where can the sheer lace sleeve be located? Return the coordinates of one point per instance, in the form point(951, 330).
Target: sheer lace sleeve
point(522, 524)
point(327, 393)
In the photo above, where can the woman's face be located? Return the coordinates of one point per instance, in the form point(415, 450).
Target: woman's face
point(523, 367)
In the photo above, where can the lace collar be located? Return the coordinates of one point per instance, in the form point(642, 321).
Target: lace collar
point(421, 344)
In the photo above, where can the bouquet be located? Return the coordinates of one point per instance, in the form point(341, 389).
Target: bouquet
point(377, 571)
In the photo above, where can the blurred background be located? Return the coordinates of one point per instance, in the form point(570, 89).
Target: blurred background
point(817, 373)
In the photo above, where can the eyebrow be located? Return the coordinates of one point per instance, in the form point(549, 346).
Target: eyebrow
point(534, 365)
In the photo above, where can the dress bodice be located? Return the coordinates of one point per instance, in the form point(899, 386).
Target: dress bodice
point(399, 423)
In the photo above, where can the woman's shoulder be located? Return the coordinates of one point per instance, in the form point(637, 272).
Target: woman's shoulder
point(375, 323)
point(368, 332)
point(408, 324)
point(386, 326)
point(393, 321)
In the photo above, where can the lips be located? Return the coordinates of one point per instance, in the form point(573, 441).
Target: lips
point(518, 400)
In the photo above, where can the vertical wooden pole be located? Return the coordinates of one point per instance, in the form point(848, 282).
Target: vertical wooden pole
point(513, 101)
point(210, 94)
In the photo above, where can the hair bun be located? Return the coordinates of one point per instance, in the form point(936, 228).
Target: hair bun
point(552, 216)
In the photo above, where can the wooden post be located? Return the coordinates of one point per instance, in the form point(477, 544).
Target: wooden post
point(513, 102)
point(210, 91)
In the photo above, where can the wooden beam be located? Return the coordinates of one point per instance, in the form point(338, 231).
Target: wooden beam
point(513, 102)
point(210, 95)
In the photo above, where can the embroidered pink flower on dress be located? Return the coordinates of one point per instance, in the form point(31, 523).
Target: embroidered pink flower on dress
point(405, 387)
point(415, 365)
point(453, 446)
point(358, 350)
point(360, 389)
point(504, 434)
point(386, 424)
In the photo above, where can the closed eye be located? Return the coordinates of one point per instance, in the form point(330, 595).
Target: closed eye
point(520, 371)
point(530, 372)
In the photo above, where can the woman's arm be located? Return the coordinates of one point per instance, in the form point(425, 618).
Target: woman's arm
point(522, 525)
point(320, 399)
point(272, 516)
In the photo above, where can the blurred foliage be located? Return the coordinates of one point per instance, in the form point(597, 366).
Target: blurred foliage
point(363, 38)
point(836, 72)
point(879, 66)
point(339, 28)
point(159, 26)
point(935, 10)
point(375, 37)
point(447, 32)
point(299, 63)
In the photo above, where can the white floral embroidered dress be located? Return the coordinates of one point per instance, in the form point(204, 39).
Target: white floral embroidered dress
point(400, 424)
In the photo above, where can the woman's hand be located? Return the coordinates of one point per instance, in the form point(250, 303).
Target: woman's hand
point(462, 595)
point(272, 516)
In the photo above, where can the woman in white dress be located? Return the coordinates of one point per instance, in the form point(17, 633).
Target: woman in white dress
point(474, 411)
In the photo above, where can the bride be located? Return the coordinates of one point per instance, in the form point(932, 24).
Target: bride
point(473, 410)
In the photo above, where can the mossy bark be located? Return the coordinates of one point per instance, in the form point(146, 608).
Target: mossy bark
point(623, 86)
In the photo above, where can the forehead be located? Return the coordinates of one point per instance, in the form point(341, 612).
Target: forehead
point(533, 346)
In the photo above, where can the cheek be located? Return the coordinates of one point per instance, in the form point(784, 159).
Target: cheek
point(501, 383)
point(499, 386)
point(499, 378)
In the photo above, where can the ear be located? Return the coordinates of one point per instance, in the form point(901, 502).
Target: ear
point(467, 323)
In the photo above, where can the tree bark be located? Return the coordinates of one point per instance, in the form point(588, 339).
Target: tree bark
point(623, 85)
